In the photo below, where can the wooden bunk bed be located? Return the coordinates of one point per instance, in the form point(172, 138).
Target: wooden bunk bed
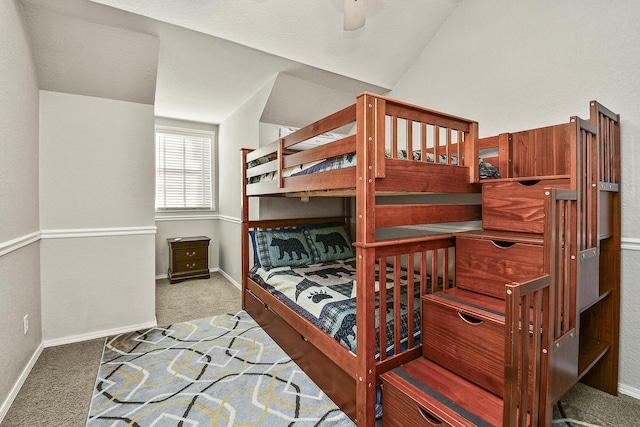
point(394, 148)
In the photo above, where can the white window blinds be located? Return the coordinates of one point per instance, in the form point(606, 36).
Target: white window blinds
point(183, 169)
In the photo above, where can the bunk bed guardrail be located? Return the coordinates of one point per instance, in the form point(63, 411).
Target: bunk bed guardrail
point(401, 132)
point(528, 323)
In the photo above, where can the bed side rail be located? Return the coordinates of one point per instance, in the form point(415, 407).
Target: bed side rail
point(266, 224)
point(528, 343)
point(308, 144)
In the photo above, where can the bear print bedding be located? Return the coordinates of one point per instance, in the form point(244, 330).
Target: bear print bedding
point(325, 293)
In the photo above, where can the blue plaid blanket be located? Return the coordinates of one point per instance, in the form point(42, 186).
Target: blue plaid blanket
point(325, 295)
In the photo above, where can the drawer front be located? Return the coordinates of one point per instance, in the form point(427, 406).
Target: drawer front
point(401, 410)
point(485, 266)
point(191, 265)
point(516, 206)
point(467, 345)
point(190, 253)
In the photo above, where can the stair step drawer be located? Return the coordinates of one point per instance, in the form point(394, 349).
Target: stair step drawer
point(465, 340)
point(485, 265)
point(516, 205)
point(421, 393)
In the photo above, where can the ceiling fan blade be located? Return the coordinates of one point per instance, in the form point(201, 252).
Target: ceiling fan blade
point(355, 12)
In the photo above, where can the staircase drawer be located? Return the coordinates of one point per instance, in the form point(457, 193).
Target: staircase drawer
point(401, 410)
point(485, 265)
point(421, 393)
point(468, 342)
point(516, 205)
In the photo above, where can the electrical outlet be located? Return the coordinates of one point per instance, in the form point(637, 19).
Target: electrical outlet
point(25, 323)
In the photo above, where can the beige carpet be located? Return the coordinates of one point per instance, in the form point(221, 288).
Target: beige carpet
point(586, 406)
point(58, 393)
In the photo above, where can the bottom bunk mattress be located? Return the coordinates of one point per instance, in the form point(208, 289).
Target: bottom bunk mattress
point(325, 294)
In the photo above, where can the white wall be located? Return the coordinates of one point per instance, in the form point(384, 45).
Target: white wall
point(518, 65)
point(96, 216)
point(240, 130)
point(244, 130)
point(184, 224)
point(19, 230)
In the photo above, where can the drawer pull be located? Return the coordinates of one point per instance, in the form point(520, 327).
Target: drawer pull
point(190, 254)
point(470, 319)
point(529, 183)
point(503, 244)
point(429, 417)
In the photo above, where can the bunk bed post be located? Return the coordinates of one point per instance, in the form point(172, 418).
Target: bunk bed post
point(244, 229)
point(505, 165)
point(366, 110)
point(471, 152)
point(603, 319)
point(346, 212)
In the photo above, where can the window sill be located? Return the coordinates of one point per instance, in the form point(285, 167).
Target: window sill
point(185, 215)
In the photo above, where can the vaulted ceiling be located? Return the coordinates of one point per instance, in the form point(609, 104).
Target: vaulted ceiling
point(200, 60)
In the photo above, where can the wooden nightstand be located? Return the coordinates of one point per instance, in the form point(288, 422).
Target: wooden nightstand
point(188, 258)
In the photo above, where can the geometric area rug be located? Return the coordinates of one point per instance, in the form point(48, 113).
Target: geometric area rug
point(218, 371)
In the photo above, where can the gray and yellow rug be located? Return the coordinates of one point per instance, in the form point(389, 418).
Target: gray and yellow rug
point(218, 371)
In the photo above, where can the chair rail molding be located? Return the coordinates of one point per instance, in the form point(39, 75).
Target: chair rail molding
point(19, 242)
point(97, 232)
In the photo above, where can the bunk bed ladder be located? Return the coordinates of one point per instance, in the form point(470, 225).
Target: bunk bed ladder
point(551, 225)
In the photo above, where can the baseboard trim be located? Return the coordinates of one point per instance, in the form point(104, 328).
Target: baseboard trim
point(166, 276)
point(229, 278)
point(98, 334)
point(629, 391)
point(20, 382)
point(212, 270)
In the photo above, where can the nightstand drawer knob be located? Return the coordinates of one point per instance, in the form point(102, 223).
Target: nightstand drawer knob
point(190, 254)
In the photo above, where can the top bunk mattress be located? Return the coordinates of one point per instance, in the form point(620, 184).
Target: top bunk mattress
point(486, 169)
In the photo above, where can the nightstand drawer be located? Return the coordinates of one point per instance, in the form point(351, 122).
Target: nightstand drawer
point(189, 254)
point(190, 265)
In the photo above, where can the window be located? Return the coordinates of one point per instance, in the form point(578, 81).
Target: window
point(183, 169)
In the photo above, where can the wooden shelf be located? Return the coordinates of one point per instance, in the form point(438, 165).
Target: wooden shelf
point(591, 351)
